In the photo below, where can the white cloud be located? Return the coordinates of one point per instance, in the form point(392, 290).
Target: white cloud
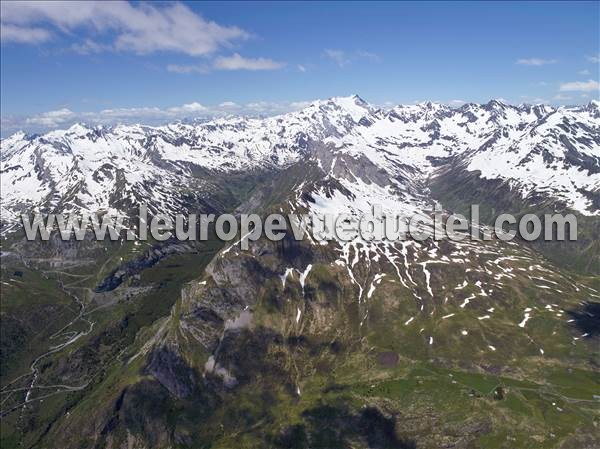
point(594, 58)
point(140, 28)
point(51, 119)
point(261, 107)
point(23, 35)
point(337, 56)
point(584, 72)
point(63, 118)
point(342, 58)
point(237, 62)
point(533, 100)
point(297, 105)
point(301, 68)
point(457, 102)
point(562, 97)
point(234, 62)
point(120, 114)
point(229, 105)
point(368, 55)
point(89, 47)
point(194, 68)
point(189, 108)
point(536, 61)
point(583, 86)
point(60, 117)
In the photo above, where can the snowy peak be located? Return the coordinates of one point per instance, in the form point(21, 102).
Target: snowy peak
point(496, 104)
point(536, 150)
point(354, 107)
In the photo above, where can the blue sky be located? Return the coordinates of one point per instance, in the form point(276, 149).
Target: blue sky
point(120, 61)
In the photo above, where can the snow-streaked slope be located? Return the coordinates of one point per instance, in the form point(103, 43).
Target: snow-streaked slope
point(89, 169)
point(540, 150)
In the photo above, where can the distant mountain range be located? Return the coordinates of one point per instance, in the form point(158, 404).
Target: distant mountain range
point(540, 152)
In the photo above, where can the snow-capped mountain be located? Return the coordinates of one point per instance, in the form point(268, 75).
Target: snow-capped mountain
point(535, 150)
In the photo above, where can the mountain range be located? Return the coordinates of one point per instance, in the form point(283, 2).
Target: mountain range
point(306, 344)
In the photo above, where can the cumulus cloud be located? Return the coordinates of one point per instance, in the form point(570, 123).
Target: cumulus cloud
point(584, 72)
point(562, 97)
point(296, 105)
point(301, 68)
point(188, 108)
point(231, 63)
point(536, 61)
point(594, 58)
point(51, 119)
point(582, 86)
point(528, 99)
point(23, 35)
point(262, 107)
point(88, 47)
point(343, 58)
point(63, 118)
point(141, 28)
point(337, 56)
point(120, 115)
point(229, 105)
point(368, 55)
point(193, 68)
point(237, 62)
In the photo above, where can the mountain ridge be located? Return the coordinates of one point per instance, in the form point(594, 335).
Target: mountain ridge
point(535, 150)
